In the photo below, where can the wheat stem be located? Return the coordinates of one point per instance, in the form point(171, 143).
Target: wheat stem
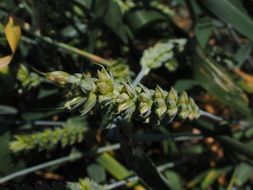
point(139, 77)
point(211, 116)
point(72, 157)
point(160, 168)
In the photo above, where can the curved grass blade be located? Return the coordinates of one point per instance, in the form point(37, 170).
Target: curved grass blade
point(217, 81)
point(232, 12)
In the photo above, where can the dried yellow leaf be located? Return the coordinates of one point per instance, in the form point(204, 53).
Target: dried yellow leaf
point(13, 33)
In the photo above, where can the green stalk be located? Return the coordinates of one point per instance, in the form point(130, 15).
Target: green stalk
point(77, 51)
point(135, 178)
point(139, 77)
point(64, 46)
point(72, 157)
point(211, 116)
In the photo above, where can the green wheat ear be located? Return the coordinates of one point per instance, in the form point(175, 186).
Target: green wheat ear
point(121, 70)
point(72, 132)
point(28, 79)
point(85, 184)
point(127, 100)
point(162, 53)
